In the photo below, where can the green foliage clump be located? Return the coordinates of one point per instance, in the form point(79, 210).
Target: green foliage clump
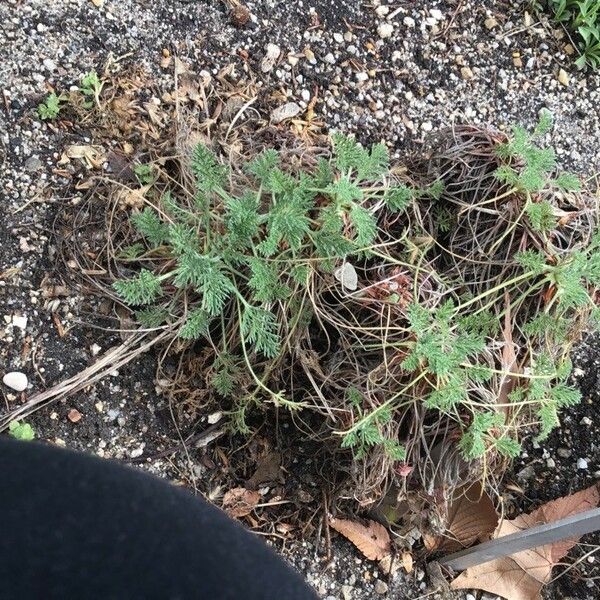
point(582, 17)
point(250, 267)
point(21, 431)
point(90, 87)
point(50, 107)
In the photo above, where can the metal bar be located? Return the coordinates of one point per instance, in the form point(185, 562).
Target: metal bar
point(569, 527)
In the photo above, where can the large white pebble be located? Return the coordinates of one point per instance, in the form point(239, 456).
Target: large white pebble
point(15, 381)
point(286, 111)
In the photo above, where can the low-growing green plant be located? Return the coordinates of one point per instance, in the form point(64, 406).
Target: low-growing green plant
point(329, 286)
point(50, 107)
point(21, 431)
point(582, 17)
point(144, 173)
point(91, 86)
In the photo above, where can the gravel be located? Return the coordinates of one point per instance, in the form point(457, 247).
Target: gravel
point(398, 71)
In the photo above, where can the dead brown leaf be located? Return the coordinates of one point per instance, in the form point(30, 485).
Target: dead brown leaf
point(407, 561)
point(522, 575)
point(502, 576)
point(559, 509)
point(92, 156)
point(240, 502)
point(471, 517)
point(372, 540)
point(268, 470)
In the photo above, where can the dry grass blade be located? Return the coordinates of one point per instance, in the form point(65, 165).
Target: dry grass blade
point(114, 359)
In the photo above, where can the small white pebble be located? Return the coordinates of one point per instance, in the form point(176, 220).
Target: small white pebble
point(385, 30)
point(15, 381)
point(20, 322)
point(582, 463)
point(409, 21)
point(437, 14)
point(426, 126)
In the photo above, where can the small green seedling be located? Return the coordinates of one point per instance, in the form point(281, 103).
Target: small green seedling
point(50, 107)
point(144, 173)
point(91, 87)
point(21, 431)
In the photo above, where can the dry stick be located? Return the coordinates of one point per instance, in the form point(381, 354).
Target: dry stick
point(108, 363)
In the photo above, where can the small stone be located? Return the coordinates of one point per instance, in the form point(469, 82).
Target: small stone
point(569, 49)
point(585, 421)
point(382, 11)
point(409, 21)
point(427, 126)
point(362, 76)
point(15, 381)
point(437, 14)
point(293, 59)
point(526, 473)
point(329, 58)
point(381, 587)
point(113, 413)
point(19, 322)
point(564, 452)
point(517, 61)
point(33, 164)
point(385, 30)
point(582, 464)
point(272, 54)
point(563, 77)
point(466, 73)
point(49, 64)
point(338, 37)
point(286, 111)
point(490, 23)
point(74, 415)
point(470, 597)
point(95, 349)
point(550, 463)
point(347, 592)
point(137, 452)
point(214, 417)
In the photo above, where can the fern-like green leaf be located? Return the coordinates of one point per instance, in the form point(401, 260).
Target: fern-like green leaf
point(142, 289)
point(262, 166)
point(364, 224)
point(541, 216)
point(210, 174)
point(196, 325)
point(260, 330)
point(151, 317)
point(265, 282)
point(149, 225)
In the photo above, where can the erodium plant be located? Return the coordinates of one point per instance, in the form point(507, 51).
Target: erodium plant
point(320, 288)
